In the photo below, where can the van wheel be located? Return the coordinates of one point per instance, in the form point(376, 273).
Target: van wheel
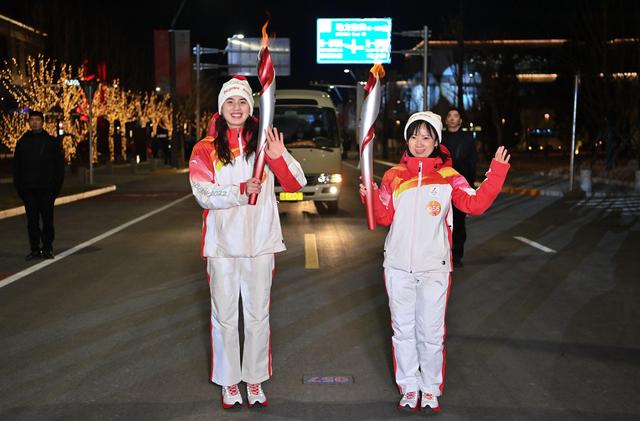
point(327, 207)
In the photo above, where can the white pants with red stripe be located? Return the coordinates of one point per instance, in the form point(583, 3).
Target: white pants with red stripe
point(418, 303)
point(230, 278)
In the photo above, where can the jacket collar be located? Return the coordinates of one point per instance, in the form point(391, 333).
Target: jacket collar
point(429, 165)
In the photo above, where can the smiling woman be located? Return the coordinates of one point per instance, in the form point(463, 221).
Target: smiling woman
point(240, 240)
point(416, 199)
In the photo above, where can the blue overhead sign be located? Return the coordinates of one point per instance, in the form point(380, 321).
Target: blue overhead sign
point(352, 41)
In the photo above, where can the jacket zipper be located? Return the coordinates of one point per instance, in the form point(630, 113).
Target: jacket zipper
point(415, 213)
point(252, 236)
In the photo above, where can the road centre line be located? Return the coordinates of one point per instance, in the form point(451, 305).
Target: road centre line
point(45, 263)
point(311, 252)
point(535, 245)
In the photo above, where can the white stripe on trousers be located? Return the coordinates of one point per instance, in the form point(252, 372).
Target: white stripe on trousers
point(417, 302)
point(230, 278)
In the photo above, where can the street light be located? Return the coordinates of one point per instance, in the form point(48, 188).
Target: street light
point(355, 79)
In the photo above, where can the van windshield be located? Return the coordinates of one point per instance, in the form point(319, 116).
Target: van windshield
point(305, 127)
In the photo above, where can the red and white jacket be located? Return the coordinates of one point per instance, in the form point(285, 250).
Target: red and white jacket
point(415, 198)
point(232, 228)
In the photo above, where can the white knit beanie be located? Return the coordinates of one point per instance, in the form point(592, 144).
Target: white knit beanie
point(236, 86)
point(432, 118)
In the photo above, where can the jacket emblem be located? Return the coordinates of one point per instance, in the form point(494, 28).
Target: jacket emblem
point(434, 208)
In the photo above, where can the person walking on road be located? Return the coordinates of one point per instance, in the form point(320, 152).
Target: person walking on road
point(239, 240)
point(464, 156)
point(38, 174)
point(415, 199)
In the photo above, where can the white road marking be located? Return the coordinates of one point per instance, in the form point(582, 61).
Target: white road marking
point(387, 163)
point(311, 252)
point(358, 169)
point(536, 245)
point(61, 200)
point(16, 276)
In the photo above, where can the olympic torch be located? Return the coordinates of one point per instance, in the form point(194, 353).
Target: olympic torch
point(368, 115)
point(267, 77)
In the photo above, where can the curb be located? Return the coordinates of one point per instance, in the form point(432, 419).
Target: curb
point(7, 213)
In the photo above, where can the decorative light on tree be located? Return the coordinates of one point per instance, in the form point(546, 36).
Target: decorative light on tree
point(12, 126)
point(45, 86)
point(53, 89)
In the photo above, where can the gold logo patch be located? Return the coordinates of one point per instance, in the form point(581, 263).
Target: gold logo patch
point(434, 208)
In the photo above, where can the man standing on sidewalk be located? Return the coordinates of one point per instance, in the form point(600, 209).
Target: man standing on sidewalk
point(464, 156)
point(38, 173)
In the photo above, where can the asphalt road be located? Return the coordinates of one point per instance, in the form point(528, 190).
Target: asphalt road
point(119, 329)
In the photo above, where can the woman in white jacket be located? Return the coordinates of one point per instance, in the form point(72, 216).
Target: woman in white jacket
point(415, 199)
point(239, 240)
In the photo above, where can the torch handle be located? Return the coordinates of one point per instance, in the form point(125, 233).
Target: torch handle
point(366, 174)
point(371, 222)
point(258, 172)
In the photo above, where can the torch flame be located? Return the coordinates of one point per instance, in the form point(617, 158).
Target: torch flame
point(378, 70)
point(265, 36)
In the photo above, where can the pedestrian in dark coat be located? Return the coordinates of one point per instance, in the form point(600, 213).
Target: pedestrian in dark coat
point(38, 173)
point(464, 156)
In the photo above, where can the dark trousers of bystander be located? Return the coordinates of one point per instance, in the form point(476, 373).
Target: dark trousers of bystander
point(38, 204)
point(459, 235)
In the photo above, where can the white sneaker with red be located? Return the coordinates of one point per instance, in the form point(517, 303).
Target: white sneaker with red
point(255, 395)
point(409, 401)
point(231, 396)
point(429, 402)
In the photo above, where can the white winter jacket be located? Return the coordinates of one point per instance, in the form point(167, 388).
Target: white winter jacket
point(231, 227)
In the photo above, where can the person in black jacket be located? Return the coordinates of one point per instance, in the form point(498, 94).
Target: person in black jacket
point(464, 156)
point(38, 173)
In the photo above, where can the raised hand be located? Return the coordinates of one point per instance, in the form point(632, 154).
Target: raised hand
point(502, 155)
point(275, 143)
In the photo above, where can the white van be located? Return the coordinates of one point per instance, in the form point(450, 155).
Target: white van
point(308, 121)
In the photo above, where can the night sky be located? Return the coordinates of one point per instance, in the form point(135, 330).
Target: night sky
point(120, 33)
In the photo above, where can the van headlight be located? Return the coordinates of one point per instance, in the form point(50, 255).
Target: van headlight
point(329, 178)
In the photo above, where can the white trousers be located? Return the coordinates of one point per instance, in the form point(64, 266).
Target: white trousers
point(418, 304)
point(230, 278)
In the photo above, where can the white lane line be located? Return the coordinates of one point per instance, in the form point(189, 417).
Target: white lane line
point(358, 169)
point(16, 276)
point(61, 200)
point(536, 245)
point(387, 163)
point(311, 252)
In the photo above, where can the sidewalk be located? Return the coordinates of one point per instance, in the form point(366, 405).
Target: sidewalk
point(105, 180)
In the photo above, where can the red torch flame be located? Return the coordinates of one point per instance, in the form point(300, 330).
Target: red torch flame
point(266, 72)
point(265, 36)
point(375, 73)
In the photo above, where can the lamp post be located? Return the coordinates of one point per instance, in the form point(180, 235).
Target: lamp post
point(576, 87)
point(89, 87)
point(359, 100)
